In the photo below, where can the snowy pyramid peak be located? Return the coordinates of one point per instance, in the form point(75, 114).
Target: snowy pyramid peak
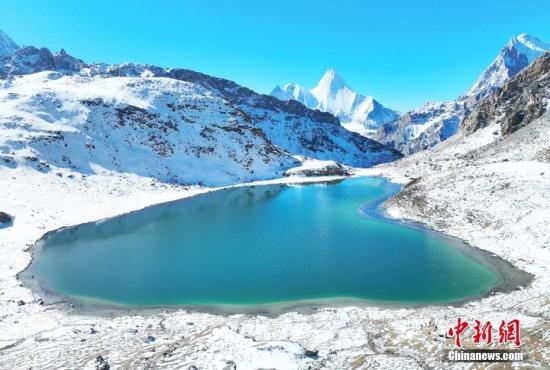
point(329, 84)
point(7, 46)
point(356, 112)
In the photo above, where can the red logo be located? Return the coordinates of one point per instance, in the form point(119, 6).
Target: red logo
point(458, 330)
point(508, 332)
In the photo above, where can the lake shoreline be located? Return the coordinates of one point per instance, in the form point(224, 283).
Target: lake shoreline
point(60, 335)
point(511, 278)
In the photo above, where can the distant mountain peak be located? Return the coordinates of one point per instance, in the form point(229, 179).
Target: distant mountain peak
point(520, 51)
point(330, 83)
point(356, 112)
point(530, 46)
point(527, 39)
point(7, 45)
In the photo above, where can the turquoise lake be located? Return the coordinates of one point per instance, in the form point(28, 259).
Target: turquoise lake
point(262, 245)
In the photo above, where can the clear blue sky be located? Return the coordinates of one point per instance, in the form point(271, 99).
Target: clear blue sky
point(403, 52)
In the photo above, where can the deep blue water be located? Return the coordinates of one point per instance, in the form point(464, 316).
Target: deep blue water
point(263, 244)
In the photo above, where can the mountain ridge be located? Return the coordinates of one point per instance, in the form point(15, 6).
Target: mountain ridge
point(236, 135)
point(425, 127)
point(7, 45)
point(522, 99)
point(357, 113)
point(518, 53)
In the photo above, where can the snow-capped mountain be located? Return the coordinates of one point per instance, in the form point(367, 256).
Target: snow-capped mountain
point(433, 123)
point(422, 128)
point(296, 92)
point(522, 99)
point(516, 55)
point(162, 128)
point(361, 114)
point(176, 125)
point(7, 46)
point(29, 60)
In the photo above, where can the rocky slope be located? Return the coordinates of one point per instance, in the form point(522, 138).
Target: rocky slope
point(433, 123)
point(7, 46)
point(422, 128)
point(176, 125)
point(288, 124)
point(357, 113)
point(520, 51)
point(162, 128)
point(521, 100)
point(489, 186)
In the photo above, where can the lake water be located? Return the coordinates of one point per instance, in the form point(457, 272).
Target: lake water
point(262, 245)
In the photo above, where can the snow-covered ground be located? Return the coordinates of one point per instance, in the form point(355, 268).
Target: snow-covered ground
point(496, 199)
point(157, 127)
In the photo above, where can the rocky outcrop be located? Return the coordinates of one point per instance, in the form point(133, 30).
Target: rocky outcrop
point(512, 59)
point(31, 60)
point(433, 123)
point(422, 128)
point(520, 101)
point(7, 46)
point(5, 219)
point(331, 169)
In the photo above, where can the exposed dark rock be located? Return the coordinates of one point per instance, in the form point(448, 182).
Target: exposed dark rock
point(230, 365)
point(5, 218)
point(31, 60)
point(520, 101)
point(399, 134)
point(335, 169)
point(102, 364)
point(413, 181)
point(310, 353)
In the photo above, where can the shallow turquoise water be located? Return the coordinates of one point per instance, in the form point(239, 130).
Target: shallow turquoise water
point(263, 244)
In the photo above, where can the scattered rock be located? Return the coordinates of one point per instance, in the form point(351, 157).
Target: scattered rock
point(5, 218)
point(20, 303)
point(102, 364)
point(333, 169)
point(230, 365)
point(312, 354)
point(150, 339)
point(413, 181)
